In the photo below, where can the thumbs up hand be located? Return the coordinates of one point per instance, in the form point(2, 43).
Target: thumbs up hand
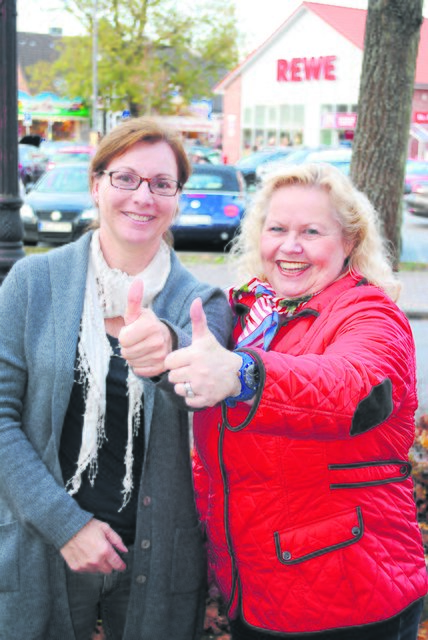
point(135, 298)
point(205, 372)
point(145, 341)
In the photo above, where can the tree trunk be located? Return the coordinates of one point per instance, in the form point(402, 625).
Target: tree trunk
point(384, 109)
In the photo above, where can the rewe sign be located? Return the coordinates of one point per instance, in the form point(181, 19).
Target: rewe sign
point(302, 69)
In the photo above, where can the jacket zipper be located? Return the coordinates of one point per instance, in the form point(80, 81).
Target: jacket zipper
point(222, 429)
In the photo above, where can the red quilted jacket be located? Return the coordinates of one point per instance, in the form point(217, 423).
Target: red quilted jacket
point(307, 498)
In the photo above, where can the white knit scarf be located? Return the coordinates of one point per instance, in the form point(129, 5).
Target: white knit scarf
point(106, 296)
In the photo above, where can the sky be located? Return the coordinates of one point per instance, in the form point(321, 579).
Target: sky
point(257, 20)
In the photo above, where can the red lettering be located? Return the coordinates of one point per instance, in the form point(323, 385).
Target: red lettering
point(299, 69)
point(281, 71)
point(329, 68)
point(296, 69)
point(420, 117)
point(312, 68)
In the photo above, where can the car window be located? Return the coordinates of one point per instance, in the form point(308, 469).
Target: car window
point(212, 182)
point(72, 181)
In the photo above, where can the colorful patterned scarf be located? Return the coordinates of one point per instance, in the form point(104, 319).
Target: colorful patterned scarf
point(261, 321)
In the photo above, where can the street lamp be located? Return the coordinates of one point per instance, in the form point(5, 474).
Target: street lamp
point(11, 247)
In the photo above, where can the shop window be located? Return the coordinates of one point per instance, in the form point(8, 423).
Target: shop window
point(285, 138)
point(271, 137)
point(285, 114)
point(327, 108)
point(260, 115)
point(298, 119)
point(298, 138)
point(272, 112)
point(326, 136)
point(259, 140)
point(342, 108)
point(248, 116)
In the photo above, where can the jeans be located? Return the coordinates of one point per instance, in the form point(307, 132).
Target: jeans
point(95, 595)
point(401, 627)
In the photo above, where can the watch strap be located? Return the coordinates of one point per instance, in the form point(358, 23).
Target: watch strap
point(249, 383)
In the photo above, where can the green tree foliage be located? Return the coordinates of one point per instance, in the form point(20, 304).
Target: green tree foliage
point(149, 52)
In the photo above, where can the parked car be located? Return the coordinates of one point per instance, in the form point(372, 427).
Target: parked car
point(32, 163)
point(51, 147)
point(416, 171)
point(339, 157)
point(71, 153)
point(417, 200)
point(59, 207)
point(248, 164)
point(296, 156)
point(199, 154)
point(211, 205)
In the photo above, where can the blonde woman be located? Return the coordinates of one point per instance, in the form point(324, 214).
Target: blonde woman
point(302, 472)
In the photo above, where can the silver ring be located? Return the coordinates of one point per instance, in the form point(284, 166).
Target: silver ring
point(188, 389)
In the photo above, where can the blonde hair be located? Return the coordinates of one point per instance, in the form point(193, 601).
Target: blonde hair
point(359, 221)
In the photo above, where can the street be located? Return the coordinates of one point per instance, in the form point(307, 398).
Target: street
point(414, 233)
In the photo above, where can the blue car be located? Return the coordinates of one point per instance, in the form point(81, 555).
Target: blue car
point(211, 205)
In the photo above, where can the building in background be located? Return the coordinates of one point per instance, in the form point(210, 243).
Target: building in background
point(56, 117)
point(301, 86)
point(51, 116)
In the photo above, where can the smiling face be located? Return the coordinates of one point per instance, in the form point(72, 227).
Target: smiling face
point(302, 246)
point(132, 222)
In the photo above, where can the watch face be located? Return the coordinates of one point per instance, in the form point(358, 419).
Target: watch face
point(252, 376)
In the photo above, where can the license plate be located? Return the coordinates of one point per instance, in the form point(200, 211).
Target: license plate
point(55, 227)
point(194, 221)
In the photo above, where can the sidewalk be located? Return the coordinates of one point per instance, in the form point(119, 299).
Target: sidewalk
point(414, 294)
point(413, 299)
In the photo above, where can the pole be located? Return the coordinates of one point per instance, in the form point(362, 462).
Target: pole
point(95, 66)
point(11, 233)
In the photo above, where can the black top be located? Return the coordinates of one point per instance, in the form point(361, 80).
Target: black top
point(105, 498)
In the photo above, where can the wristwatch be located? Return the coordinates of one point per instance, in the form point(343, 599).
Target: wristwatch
point(249, 377)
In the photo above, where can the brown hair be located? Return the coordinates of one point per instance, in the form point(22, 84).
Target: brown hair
point(129, 133)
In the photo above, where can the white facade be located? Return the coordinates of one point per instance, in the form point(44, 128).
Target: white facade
point(298, 107)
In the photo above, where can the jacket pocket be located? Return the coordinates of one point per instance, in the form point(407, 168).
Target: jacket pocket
point(9, 557)
point(189, 568)
point(300, 544)
point(368, 474)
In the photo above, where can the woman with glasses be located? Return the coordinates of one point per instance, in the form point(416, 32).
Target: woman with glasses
point(97, 514)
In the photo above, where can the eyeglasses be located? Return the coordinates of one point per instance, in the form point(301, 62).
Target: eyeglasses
point(131, 182)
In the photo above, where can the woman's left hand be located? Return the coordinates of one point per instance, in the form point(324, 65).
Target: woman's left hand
point(145, 341)
point(205, 372)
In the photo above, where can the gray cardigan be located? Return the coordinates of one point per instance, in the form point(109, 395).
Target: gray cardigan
point(41, 304)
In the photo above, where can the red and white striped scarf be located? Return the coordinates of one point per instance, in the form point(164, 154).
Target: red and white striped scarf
point(261, 323)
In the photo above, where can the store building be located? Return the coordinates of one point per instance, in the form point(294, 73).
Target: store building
point(46, 114)
point(301, 86)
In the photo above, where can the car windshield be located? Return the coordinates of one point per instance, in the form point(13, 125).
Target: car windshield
point(254, 159)
point(212, 182)
point(64, 179)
